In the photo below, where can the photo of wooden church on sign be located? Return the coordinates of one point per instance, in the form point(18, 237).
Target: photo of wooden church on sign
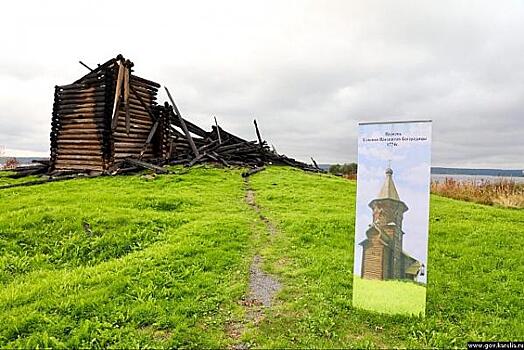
point(390, 264)
point(383, 256)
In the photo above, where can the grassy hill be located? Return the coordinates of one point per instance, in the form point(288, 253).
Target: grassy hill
point(132, 261)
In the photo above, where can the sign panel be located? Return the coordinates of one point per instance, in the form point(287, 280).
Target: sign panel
point(392, 216)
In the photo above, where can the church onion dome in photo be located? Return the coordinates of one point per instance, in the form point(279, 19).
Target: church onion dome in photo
point(389, 191)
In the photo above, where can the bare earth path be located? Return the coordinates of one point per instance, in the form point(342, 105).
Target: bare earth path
point(262, 286)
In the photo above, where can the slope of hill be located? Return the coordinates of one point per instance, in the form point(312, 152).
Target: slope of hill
point(134, 261)
point(475, 274)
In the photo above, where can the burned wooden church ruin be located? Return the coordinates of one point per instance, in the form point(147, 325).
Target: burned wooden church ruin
point(383, 256)
point(109, 122)
point(105, 117)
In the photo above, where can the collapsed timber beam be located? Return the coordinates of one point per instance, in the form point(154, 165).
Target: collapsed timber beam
point(183, 124)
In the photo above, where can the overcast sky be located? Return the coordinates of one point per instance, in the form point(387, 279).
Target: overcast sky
point(309, 71)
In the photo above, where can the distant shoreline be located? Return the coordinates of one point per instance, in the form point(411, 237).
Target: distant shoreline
point(477, 172)
point(466, 171)
point(21, 160)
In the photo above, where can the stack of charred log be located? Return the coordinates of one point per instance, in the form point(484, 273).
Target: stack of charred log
point(190, 145)
point(108, 122)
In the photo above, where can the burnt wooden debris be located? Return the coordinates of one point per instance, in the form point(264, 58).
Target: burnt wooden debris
point(220, 146)
point(105, 117)
point(252, 171)
point(109, 122)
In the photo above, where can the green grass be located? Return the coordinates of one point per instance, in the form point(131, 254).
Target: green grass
point(475, 271)
point(393, 297)
point(166, 262)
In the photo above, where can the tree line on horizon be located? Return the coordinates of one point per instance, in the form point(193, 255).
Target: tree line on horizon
point(343, 169)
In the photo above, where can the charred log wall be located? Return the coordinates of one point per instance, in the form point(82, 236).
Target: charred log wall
point(84, 134)
point(142, 100)
point(78, 127)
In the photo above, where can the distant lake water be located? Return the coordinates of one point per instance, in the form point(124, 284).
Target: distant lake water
point(21, 160)
point(474, 178)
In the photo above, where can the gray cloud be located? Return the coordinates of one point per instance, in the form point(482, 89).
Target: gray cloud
point(308, 71)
